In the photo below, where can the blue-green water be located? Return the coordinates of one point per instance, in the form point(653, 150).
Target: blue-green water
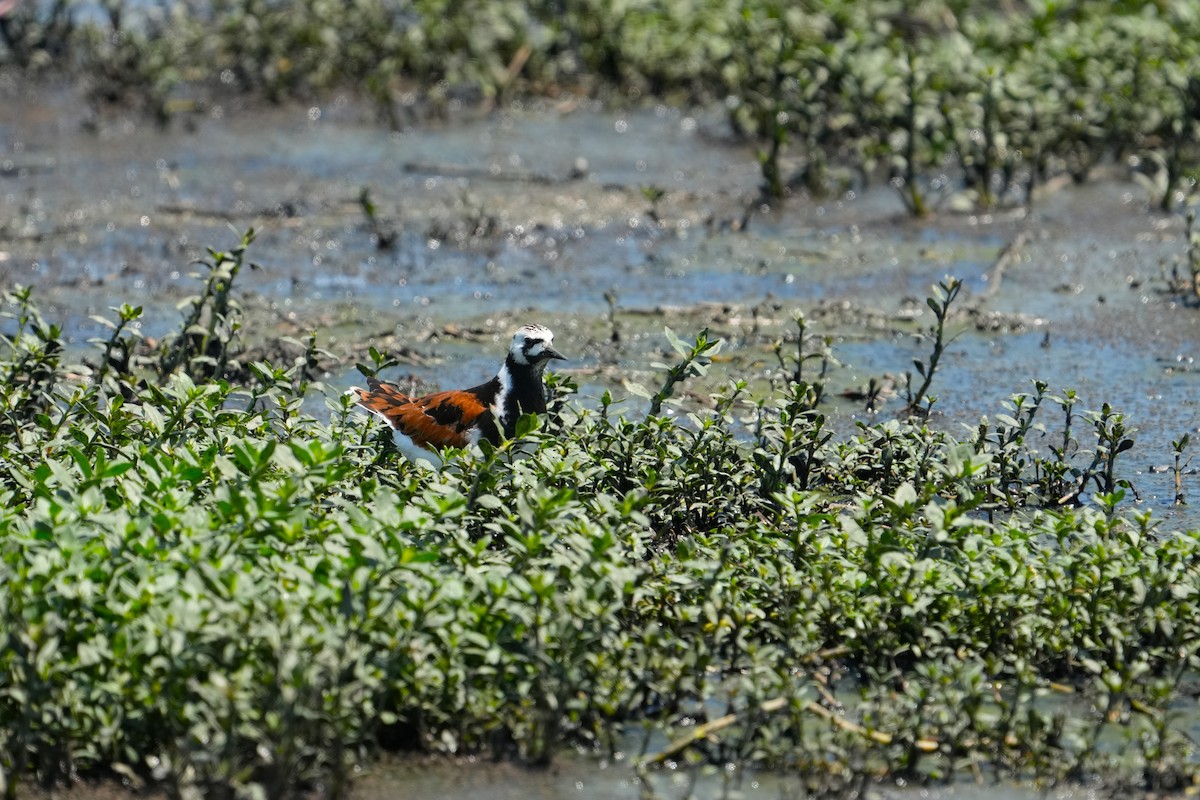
point(97, 219)
point(536, 212)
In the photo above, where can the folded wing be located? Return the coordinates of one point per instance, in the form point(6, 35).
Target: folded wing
point(443, 419)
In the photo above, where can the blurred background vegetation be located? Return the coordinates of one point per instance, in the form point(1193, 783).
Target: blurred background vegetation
point(1003, 96)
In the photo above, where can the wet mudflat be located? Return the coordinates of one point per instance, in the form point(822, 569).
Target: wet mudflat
point(546, 212)
point(605, 780)
point(538, 213)
point(587, 778)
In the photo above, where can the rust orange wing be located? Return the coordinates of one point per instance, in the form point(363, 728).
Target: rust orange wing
point(442, 419)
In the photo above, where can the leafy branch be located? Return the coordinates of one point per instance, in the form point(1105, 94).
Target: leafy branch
point(943, 295)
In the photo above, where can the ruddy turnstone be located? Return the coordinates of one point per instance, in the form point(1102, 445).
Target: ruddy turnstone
point(461, 417)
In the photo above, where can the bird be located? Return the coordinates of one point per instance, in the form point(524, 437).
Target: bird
point(462, 417)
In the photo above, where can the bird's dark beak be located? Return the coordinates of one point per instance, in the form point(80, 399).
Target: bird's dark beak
point(550, 352)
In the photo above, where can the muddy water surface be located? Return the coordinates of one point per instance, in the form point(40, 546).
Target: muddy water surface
point(536, 213)
point(589, 779)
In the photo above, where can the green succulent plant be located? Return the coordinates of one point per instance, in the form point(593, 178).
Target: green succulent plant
point(210, 589)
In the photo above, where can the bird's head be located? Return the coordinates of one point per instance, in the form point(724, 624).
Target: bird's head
point(533, 345)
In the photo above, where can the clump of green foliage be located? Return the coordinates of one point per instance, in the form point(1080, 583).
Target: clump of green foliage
point(983, 100)
point(210, 589)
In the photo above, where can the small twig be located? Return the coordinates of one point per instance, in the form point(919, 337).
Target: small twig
point(1007, 256)
point(481, 173)
point(880, 737)
point(702, 732)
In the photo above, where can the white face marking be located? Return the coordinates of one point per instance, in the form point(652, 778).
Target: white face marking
point(529, 343)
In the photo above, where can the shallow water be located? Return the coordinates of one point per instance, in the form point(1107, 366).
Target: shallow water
point(97, 219)
point(591, 779)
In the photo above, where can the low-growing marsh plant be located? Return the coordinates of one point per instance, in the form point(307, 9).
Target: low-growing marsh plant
point(385, 237)
point(1178, 446)
point(1113, 437)
point(910, 191)
point(694, 361)
point(35, 349)
point(210, 591)
point(944, 96)
point(789, 432)
point(117, 350)
point(614, 331)
point(1180, 130)
point(1192, 242)
point(206, 346)
point(653, 195)
point(37, 37)
point(1023, 477)
point(920, 402)
point(793, 367)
